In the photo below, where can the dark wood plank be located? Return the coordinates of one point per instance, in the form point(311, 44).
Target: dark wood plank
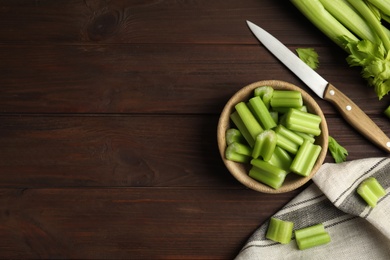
point(150, 21)
point(131, 223)
point(123, 151)
point(154, 79)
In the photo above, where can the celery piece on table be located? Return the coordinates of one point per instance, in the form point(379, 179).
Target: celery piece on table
point(281, 158)
point(286, 98)
point(265, 93)
point(267, 173)
point(235, 117)
point(371, 191)
point(238, 153)
point(311, 236)
point(265, 144)
point(305, 158)
point(248, 119)
point(280, 230)
point(262, 113)
point(234, 135)
point(304, 122)
point(387, 112)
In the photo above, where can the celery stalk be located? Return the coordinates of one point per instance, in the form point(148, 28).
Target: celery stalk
point(235, 117)
point(265, 93)
point(281, 158)
point(365, 11)
point(234, 135)
point(382, 5)
point(295, 138)
point(324, 21)
point(267, 173)
point(248, 119)
point(305, 158)
point(347, 15)
point(232, 155)
point(279, 230)
point(303, 122)
point(264, 145)
point(286, 98)
point(371, 191)
point(261, 113)
point(311, 236)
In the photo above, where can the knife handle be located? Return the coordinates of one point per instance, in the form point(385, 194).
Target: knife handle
point(357, 118)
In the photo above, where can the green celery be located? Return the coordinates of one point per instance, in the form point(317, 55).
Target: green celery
point(265, 93)
point(387, 112)
point(265, 144)
point(262, 113)
point(291, 135)
point(371, 19)
point(286, 98)
point(248, 119)
point(267, 173)
point(305, 158)
point(338, 152)
point(235, 117)
point(371, 191)
point(304, 122)
point(286, 144)
point(279, 230)
point(238, 153)
point(324, 21)
point(309, 56)
point(275, 116)
point(311, 236)
point(234, 135)
point(306, 136)
point(281, 158)
point(382, 5)
point(347, 15)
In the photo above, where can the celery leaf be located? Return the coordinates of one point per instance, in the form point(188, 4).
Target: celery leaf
point(309, 56)
point(338, 152)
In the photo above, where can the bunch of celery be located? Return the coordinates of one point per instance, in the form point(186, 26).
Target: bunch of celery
point(356, 26)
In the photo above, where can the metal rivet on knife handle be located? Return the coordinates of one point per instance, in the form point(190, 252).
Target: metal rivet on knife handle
point(356, 117)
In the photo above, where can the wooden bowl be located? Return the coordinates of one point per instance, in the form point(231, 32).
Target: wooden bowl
point(239, 170)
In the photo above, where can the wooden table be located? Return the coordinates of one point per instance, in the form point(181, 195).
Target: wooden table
point(108, 124)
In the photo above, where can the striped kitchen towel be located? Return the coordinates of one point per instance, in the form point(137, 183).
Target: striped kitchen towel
point(357, 231)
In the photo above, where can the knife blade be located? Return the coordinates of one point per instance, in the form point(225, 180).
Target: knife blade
point(325, 90)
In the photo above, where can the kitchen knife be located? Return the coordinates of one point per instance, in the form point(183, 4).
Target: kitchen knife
point(348, 109)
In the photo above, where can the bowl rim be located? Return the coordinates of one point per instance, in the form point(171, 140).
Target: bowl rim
point(236, 168)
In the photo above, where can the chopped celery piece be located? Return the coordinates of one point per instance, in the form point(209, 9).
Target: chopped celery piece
point(267, 173)
point(234, 135)
point(280, 231)
point(286, 98)
point(261, 113)
point(311, 236)
point(304, 122)
point(291, 135)
point(265, 144)
point(371, 191)
point(306, 136)
point(281, 158)
point(275, 116)
point(305, 158)
point(265, 93)
point(248, 119)
point(242, 128)
point(387, 112)
point(237, 153)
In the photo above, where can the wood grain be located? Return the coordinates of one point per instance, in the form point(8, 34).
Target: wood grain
point(108, 117)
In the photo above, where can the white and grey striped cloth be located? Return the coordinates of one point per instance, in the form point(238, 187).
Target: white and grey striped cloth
point(357, 231)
